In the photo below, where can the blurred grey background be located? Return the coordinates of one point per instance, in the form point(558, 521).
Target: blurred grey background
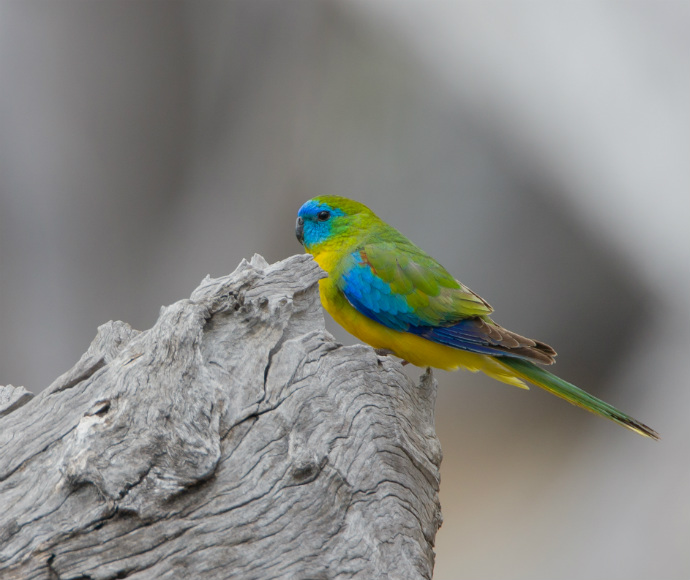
point(539, 150)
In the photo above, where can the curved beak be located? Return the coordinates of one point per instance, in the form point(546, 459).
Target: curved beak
point(299, 230)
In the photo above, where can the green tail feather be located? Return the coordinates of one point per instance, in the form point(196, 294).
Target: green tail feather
point(553, 384)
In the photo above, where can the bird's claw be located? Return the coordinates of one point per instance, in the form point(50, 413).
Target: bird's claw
point(383, 352)
point(388, 352)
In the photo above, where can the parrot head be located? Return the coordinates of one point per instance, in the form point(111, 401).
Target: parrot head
point(327, 217)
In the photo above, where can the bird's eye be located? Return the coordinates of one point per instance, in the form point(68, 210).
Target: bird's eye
point(322, 216)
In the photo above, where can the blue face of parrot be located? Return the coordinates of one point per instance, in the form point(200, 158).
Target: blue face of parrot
point(315, 222)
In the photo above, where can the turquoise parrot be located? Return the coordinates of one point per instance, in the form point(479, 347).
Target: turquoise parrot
point(392, 295)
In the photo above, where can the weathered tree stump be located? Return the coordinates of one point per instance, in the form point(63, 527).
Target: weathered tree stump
point(234, 439)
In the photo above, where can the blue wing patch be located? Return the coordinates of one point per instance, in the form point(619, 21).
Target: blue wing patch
point(463, 335)
point(373, 297)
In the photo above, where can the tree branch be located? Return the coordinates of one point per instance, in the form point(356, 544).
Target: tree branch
point(235, 438)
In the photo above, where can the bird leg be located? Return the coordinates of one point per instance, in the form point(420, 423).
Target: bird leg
point(388, 352)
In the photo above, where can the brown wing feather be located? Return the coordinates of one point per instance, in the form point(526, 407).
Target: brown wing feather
point(509, 341)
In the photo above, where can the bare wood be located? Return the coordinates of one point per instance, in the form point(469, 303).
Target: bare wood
point(234, 439)
point(11, 398)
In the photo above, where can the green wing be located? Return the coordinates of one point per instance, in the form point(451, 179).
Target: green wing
point(395, 277)
point(398, 285)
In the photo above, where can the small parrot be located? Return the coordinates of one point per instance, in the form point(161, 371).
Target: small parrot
point(395, 297)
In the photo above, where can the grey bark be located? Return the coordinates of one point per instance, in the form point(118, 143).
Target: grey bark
point(234, 439)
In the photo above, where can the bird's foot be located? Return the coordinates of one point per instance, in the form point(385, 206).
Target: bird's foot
point(388, 352)
point(383, 352)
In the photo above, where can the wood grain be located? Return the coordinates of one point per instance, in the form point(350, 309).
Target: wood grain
point(234, 439)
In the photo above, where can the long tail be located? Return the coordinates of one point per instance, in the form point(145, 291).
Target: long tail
point(563, 389)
